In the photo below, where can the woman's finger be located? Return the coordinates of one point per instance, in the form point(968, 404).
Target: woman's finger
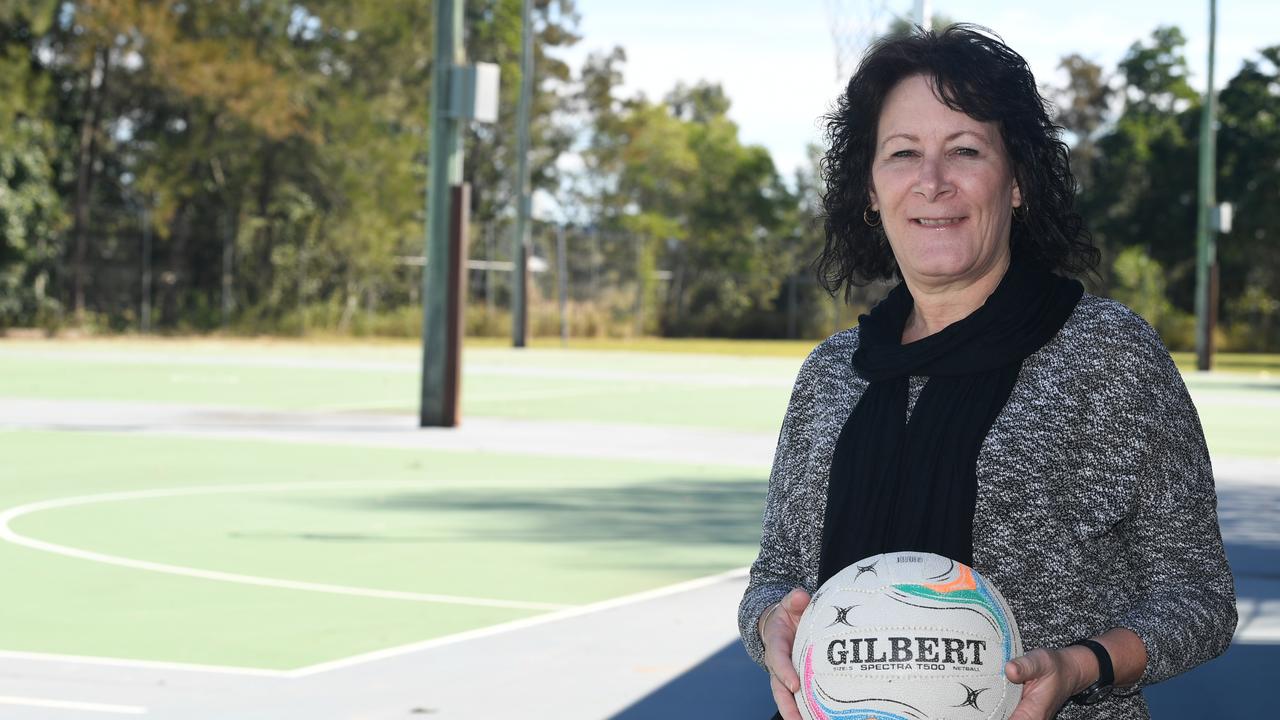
point(779, 635)
point(785, 700)
point(1028, 667)
point(795, 603)
point(777, 657)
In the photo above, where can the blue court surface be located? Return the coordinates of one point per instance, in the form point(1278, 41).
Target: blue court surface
point(1238, 685)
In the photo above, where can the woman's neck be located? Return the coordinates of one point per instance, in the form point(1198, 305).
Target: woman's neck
point(937, 306)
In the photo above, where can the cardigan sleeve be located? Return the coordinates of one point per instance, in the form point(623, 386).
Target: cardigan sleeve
point(776, 570)
point(1184, 605)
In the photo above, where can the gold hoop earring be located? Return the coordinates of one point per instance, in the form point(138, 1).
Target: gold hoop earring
point(866, 219)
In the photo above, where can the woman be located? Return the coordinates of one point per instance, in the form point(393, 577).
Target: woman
point(988, 409)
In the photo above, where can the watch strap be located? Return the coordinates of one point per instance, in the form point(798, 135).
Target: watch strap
point(1106, 675)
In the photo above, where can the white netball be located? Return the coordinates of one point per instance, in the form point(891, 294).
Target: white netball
point(906, 636)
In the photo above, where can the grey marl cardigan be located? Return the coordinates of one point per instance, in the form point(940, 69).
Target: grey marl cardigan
point(1096, 506)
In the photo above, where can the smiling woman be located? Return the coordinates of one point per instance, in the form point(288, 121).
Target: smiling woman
point(987, 409)
point(943, 187)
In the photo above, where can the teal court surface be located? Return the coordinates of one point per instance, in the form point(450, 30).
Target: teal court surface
point(257, 530)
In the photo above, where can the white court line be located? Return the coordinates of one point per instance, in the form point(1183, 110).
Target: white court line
point(1259, 622)
point(68, 705)
point(1250, 632)
point(521, 624)
point(757, 378)
point(355, 660)
point(8, 534)
point(141, 664)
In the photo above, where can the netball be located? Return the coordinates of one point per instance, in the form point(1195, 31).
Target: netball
point(906, 636)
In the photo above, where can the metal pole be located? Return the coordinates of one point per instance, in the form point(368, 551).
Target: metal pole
point(924, 14)
point(228, 265)
point(520, 250)
point(488, 273)
point(639, 309)
point(1206, 247)
point(445, 172)
point(459, 204)
point(562, 279)
point(146, 271)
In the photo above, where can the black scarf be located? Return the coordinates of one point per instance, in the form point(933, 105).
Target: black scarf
point(898, 485)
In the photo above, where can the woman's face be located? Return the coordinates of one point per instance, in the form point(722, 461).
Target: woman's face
point(944, 187)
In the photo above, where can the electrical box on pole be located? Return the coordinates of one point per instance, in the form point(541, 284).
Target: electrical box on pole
point(474, 92)
point(1222, 217)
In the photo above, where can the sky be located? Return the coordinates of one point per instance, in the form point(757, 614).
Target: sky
point(776, 58)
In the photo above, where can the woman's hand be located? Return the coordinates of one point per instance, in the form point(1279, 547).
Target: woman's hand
point(778, 631)
point(1049, 678)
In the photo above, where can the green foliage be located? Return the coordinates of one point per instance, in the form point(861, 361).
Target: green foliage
point(289, 139)
point(1139, 282)
point(1155, 73)
point(1249, 178)
point(1140, 187)
point(707, 210)
point(1140, 181)
point(31, 213)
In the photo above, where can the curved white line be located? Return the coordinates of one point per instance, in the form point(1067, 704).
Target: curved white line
point(9, 535)
point(69, 705)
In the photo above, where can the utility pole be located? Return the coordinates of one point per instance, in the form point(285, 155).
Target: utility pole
point(524, 199)
point(228, 269)
point(459, 92)
point(146, 270)
point(562, 279)
point(1206, 225)
point(439, 366)
point(924, 14)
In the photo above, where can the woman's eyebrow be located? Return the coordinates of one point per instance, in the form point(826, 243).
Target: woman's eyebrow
point(949, 138)
point(980, 136)
point(904, 136)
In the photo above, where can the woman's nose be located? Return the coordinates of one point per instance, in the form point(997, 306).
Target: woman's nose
point(931, 182)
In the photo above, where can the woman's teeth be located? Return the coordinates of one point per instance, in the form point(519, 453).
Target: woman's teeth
point(937, 222)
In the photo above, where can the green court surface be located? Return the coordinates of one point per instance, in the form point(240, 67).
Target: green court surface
point(273, 555)
point(725, 392)
point(510, 529)
point(1240, 411)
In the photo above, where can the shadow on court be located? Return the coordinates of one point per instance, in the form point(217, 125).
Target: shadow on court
point(726, 685)
point(673, 510)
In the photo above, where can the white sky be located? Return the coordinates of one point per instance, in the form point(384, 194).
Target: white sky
point(776, 59)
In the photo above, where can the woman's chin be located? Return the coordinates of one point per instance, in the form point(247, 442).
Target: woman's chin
point(943, 270)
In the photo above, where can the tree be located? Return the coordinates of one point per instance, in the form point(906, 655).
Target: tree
point(1143, 173)
point(495, 36)
point(1082, 109)
point(675, 177)
point(1248, 161)
point(278, 146)
point(30, 210)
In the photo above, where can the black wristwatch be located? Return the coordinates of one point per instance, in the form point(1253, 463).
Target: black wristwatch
point(1101, 689)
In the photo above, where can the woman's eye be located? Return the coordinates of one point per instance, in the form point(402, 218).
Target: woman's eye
point(903, 153)
point(968, 152)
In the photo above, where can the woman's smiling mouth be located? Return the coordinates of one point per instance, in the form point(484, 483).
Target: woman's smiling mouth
point(937, 222)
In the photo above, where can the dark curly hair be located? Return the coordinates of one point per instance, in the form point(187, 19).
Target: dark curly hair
point(974, 72)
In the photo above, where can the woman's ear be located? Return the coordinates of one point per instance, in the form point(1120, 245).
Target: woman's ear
point(1017, 194)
